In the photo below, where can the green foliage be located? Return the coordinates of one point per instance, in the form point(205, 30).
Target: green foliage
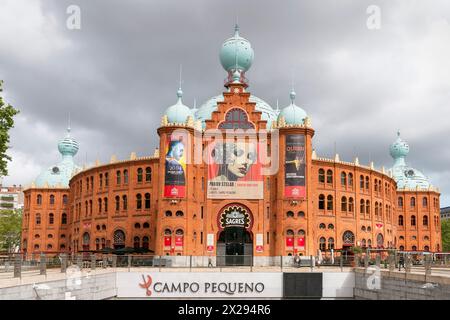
point(357, 250)
point(7, 112)
point(445, 231)
point(10, 229)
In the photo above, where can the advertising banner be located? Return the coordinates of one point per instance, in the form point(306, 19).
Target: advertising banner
point(259, 242)
point(178, 241)
point(289, 241)
point(167, 241)
point(234, 171)
point(175, 168)
point(294, 180)
point(192, 285)
point(210, 242)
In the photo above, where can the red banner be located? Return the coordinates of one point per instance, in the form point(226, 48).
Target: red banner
point(167, 241)
point(301, 243)
point(178, 241)
point(289, 241)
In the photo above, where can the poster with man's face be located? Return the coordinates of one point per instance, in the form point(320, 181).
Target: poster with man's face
point(234, 171)
point(175, 168)
point(294, 166)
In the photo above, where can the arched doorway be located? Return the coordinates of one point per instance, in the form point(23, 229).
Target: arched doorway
point(235, 241)
point(119, 239)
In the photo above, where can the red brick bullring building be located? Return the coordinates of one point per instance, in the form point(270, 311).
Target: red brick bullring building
point(225, 204)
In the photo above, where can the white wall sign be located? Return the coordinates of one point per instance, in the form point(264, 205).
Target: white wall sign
point(154, 285)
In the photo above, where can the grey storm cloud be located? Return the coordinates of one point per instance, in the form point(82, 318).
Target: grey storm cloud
point(119, 72)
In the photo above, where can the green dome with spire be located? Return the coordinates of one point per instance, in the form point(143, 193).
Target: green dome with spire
point(178, 113)
point(293, 114)
point(236, 51)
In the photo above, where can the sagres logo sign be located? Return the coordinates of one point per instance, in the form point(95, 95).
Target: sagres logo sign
point(235, 216)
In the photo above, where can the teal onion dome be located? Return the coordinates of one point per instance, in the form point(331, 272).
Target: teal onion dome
point(60, 173)
point(68, 146)
point(236, 53)
point(399, 149)
point(293, 114)
point(178, 113)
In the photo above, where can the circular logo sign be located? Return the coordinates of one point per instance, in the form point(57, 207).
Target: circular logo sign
point(235, 216)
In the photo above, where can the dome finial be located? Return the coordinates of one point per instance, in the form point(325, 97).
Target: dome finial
point(180, 92)
point(292, 96)
point(398, 133)
point(236, 29)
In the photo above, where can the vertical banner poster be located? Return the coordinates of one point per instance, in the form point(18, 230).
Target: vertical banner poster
point(178, 241)
point(289, 241)
point(167, 241)
point(301, 243)
point(294, 166)
point(175, 167)
point(234, 170)
point(259, 242)
point(210, 242)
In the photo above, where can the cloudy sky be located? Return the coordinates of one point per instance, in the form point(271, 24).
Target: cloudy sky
point(117, 74)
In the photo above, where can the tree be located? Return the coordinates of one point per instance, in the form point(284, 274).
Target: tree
point(7, 112)
point(10, 229)
point(445, 231)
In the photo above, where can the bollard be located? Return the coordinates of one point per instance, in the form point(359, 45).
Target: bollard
point(17, 266)
point(93, 261)
point(79, 261)
point(428, 265)
point(378, 260)
point(366, 260)
point(311, 263)
point(105, 261)
point(391, 262)
point(129, 262)
point(341, 262)
point(63, 262)
point(43, 265)
point(408, 263)
point(114, 261)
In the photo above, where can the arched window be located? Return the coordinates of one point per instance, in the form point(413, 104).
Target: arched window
point(351, 206)
point(168, 232)
point(400, 201)
point(321, 202)
point(425, 220)
point(330, 243)
point(343, 179)
point(106, 179)
point(348, 237)
point(330, 202)
point(140, 174)
point(369, 243)
point(105, 204)
point(145, 241)
point(125, 176)
point(38, 218)
point(64, 218)
point(344, 204)
point(86, 241)
point(301, 214)
point(402, 248)
point(168, 213)
point(136, 242)
point(400, 220)
point(426, 248)
point(100, 179)
point(330, 226)
point(368, 207)
point(362, 207)
point(117, 203)
point(52, 199)
point(413, 220)
point(148, 174)
point(380, 240)
point(99, 205)
point(236, 118)
point(322, 226)
point(321, 176)
point(367, 183)
point(103, 227)
point(51, 218)
point(413, 202)
point(179, 232)
point(62, 247)
point(322, 244)
point(289, 232)
point(350, 180)
point(414, 248)
point(65, 199)
point(425, 202)
point(138, 201)
point(290, 214)
point(118, 177)
point(361, 181)
point(179, 213)
point(363, 243)
point(363, 228)
point(124, 202)
point(119, 239)
point(301, 233)
point(137, 225)
point(146, 225)
point(329, 176)
point(36, 247)
point(376, 209)
point(39, 199)
point(147, 201)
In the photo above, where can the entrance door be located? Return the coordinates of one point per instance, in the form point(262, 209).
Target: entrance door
point(234, 247)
